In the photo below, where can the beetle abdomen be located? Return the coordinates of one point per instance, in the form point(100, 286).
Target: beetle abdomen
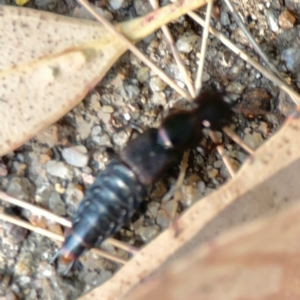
point(107, 205)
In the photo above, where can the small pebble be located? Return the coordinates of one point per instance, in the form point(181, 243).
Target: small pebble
point(159, 98)
point(291, 57)
point(120, 138)
point(96, 130)
point(59, 188)
point(93, 101)
point(191, 193)
point(153, 208)
point(218, 164)
point(5, 281)
point(142, 7)
point(21, 188)
point(263, 128)
point(255, 102)
point(241, 156)
point(76, 156)
point(235, 88)
point(132, 92)
point(47, 271)
point(54, 227)
point(286, 20)
point(24, 264)
point(16, 233)
point(187, 42)
point(224, 18)
point(253, 140)
point(99, 279)
point(84, 127)
point(74, 195)
point(143, 74)
point(117, 4)
point(107, 109)
point(285, 103)
point(162, 219)
point(54, 135)
point(3, 170)
point(45, 4)
point(42, 194)
point(212, 172)
point(148, 233)
point(293, 5)
point(32, 295)
point(56, 205)
point(205, 77)
point(201, 187)
point(24, 280)
point(58, 169)
point(271, 20)
point(157, 85)
point(175, 72)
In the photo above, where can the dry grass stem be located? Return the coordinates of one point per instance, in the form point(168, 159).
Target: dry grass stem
point(295, 96)
point(55, 236)
point(35, 210)
point(62, 221)
point(238, 140)
point(252, 41)
point(222, 153)
point(135, 50)
point(198, 82)
point(178, 184)
point(176, 54)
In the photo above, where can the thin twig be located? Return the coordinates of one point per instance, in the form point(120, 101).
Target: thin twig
point(238, 140)
point(35, 210)
point(135, 50)
point(62, 221)
point(178, 184)
point(198, 82)
point(252, 41)
point(176, 54)
point(295, 96)
point(55, 236)
point(222, 153)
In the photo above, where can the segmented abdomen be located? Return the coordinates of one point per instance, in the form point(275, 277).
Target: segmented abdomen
point(107, 205)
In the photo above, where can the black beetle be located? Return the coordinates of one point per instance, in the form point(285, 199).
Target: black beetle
point(118, 190)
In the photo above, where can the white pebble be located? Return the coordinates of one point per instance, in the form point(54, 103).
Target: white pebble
point(58, 169)
point(186, 43)
point(76, 156)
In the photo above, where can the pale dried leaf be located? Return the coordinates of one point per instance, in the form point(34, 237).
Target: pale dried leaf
point(267, 183)
point(256, 261)
point(48, 63)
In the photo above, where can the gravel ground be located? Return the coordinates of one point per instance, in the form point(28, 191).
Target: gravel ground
point(53, 169)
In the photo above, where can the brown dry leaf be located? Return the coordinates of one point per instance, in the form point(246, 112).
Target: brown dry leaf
point(257, 261)
point(48, 63)
point(267, 183)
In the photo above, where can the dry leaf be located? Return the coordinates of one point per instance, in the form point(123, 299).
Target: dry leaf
point(267, 183)
point(258, 261)
point(48, 63)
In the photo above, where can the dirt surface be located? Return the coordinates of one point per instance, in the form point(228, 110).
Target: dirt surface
point(44, 172)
